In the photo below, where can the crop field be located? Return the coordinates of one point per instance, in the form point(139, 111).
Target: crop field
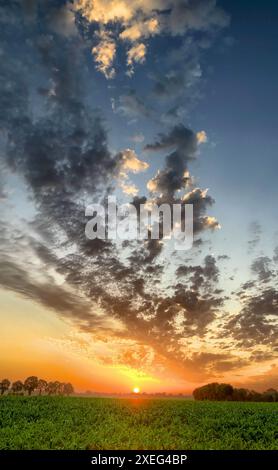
point(104, 423)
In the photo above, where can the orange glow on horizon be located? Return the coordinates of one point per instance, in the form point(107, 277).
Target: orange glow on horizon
point(35, 342)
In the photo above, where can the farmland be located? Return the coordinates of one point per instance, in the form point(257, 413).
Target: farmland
point(104, 423)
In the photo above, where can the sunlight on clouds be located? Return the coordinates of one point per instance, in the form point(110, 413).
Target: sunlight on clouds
point(105, 11)
point(145, 309)
point(202, 137)
point(129, 189)
point(141, 19)
point(140, 30)
point(130, 162)
point(137, 53)
point(152, 185)
point(104, 54)
point(211, 222)
point(123, 359)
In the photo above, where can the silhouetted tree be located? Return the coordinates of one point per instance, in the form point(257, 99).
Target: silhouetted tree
point(270, 395)
point(68, 389)
point(254, 396)
point(240, 394)
point(42, 386)
point(31, 384)
point(4, 386)
point(17, 386)
point(52, 388)
point(60, 388)
point(224, 392)
point(214, 391)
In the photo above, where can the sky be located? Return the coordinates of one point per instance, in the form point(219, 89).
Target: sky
point(152, 101)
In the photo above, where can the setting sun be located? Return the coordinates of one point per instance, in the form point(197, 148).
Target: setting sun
point(136, 390)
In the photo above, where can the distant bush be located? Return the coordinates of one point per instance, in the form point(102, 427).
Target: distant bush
point(226, 392)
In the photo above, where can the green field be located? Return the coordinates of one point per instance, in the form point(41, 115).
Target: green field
point(103, 423)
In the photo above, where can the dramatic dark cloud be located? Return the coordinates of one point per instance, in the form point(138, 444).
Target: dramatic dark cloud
point(256, 323)
point(261, 267)
point(200, 274)
point(182, 143)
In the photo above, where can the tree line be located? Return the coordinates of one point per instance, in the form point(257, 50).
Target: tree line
point(35, 385)
point(226, 392)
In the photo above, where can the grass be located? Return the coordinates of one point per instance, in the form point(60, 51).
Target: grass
point(103, 423)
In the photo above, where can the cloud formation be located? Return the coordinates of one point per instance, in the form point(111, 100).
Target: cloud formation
point(133, 22)
point(130, 162)
point(104, 53)
point(173, 184)
point(56, 143)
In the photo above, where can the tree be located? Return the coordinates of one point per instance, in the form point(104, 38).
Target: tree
point(68, 389)
point(42, 386)
point(31, 384)
point(240, 394)
point(224, 392)
point(270, 395)
point(214, 391)
point(52, 388)
point(254, 396)
point(4, 386)
point(17, 386)
point(60, 388)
